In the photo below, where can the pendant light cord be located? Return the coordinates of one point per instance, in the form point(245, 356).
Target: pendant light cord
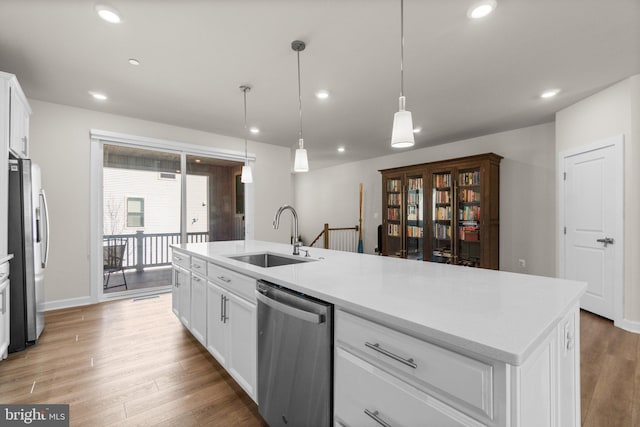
point(401, 47)
point(246, 156)
point(299, 96)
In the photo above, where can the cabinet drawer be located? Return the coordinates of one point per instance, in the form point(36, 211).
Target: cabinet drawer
point(181, 259)
point(458, 378)
point(199, 266)
point(364, 392)
point(237, 283)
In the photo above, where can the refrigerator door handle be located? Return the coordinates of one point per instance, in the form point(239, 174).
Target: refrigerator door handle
point(45, 256)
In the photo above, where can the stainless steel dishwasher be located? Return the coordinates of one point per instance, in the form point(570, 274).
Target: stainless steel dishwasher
point(295, 357)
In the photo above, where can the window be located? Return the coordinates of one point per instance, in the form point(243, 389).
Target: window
point(135, 212)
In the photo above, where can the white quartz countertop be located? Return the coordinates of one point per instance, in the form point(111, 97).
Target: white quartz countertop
point(495, 314)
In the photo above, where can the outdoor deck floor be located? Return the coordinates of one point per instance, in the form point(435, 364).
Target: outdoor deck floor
point(150, 278)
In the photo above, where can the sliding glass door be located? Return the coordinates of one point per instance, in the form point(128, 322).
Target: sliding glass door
point(150, 203)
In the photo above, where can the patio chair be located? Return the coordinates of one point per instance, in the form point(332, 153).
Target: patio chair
point(113, 254)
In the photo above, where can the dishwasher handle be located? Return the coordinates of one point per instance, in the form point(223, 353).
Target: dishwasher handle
point(291, 311)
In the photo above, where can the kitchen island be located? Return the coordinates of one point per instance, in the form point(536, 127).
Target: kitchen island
point(484, 347)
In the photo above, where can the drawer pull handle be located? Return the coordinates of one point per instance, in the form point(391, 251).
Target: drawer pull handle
point(376, 347)
point(196, 266)
point(177, 258)
point(224, 279)
point(375, 416)
point(197, 279)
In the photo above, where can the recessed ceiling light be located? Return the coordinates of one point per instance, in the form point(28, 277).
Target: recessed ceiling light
point(481, 9)
point(341, 149)
point(108, 13)
point(322, 94)
point(197, 160)
point(549, 93)
point(134, 61)
point(99, 96)
point(417, 130)
point(254, 129)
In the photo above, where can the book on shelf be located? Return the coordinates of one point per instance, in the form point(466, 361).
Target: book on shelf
point(394, 185)
point(443, 196)
point(469, 213)
point(442, 180)
point(442, 231)
point(469, 178)
point(469, 195)
point(414, 184)
point(413, 231)
point(393, 230)
point(443, 213)
point(394, 199)
point(393, 214)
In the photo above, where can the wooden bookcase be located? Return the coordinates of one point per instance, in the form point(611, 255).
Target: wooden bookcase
point(445, 211)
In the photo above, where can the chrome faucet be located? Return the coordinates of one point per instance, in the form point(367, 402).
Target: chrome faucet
point(276, 224)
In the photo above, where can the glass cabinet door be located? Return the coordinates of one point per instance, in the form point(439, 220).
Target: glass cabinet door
point(468, 246)
point(415, 218)
point(394, 216)
point(442, 213)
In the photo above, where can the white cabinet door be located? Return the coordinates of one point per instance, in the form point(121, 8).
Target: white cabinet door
point(19, 124)
point(4, 310)
point(242, 318)
point(198, 307)
point(184, 300)
point(175, 292)
point(216, 330)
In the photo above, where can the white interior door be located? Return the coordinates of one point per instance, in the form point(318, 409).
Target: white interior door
point(591, 195)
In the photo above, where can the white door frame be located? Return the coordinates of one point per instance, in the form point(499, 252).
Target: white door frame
point(98, 139)
point(618, 281)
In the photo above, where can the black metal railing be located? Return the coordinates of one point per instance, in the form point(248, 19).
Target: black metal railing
point(151, 249)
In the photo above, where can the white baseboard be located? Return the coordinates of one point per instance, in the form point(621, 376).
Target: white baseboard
point(67, 303)
point(628, 325)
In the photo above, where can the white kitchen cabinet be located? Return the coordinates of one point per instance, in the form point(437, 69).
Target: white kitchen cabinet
point(199, 307)
point(198, 303)
point(385, 373)
point(19, 124)
point(4, 309)
point(181, 294)
point(216, 331)
point(14, 134)
point(231, 335)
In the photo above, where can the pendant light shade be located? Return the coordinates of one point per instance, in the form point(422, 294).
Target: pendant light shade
point(402, 132)
point(247, 175)
point(300, 161)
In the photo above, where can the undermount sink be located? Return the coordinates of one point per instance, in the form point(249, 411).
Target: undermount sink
point(268, 259)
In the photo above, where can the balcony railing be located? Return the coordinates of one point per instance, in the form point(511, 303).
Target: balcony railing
point(150, 250)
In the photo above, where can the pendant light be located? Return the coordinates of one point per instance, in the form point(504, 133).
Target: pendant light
point(247, 176)
point(402, 133)
point(301, 162)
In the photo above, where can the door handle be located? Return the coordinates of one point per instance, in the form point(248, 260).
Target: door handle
point(606, 241)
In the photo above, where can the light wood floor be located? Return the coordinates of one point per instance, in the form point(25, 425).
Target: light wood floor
point(610, 374)
point(126, 363)
point(133, 363)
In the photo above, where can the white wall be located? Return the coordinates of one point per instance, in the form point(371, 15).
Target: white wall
point(527, 203)
point(613, 111)
point(59, 137)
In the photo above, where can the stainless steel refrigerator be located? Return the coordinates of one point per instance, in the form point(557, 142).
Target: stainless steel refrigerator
point(29, 243)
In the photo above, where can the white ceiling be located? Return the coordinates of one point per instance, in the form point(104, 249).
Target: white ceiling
point(463, 78)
